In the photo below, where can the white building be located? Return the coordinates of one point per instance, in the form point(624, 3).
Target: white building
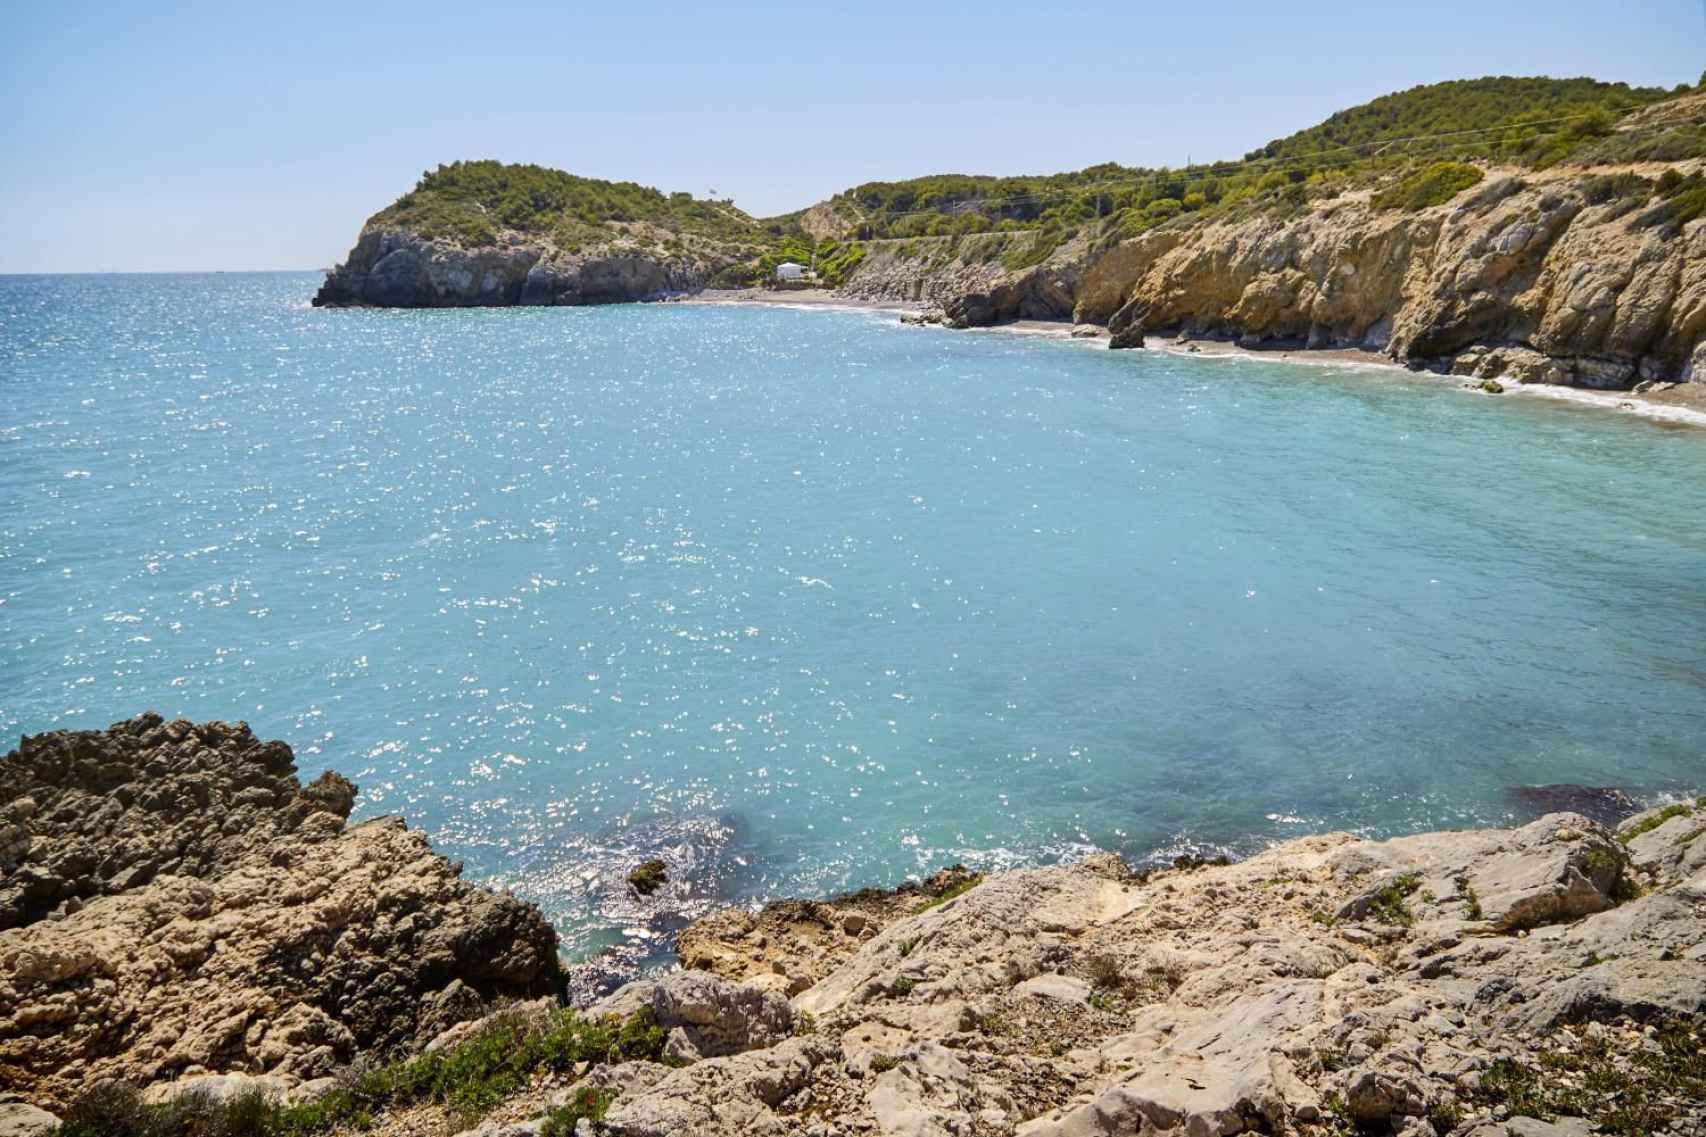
point(788, 270)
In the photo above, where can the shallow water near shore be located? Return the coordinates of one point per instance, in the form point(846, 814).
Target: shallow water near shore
point(806, 600)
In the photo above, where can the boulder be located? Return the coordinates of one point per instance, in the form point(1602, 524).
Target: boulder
point(714, 1016)
point(20, 1119)
point(734, 1096)
point(929, 1092)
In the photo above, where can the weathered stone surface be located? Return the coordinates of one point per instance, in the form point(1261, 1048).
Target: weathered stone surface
point(1517, 279)
point(723, 1097)
point(185, 904)
point(20, 1119)
point(1327, 983)
point(1227, 999)
point(222, 1089)
point(929, 1092)
point(804, 939)
point(391, 268)
point(716, 1017)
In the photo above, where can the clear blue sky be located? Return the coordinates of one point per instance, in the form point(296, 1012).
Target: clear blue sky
point(231, 135)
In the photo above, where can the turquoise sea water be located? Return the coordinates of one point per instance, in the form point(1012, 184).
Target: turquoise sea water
point(807, 600)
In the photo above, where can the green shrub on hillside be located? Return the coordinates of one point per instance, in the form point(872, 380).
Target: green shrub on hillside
point(1535, 122)
point(470, 1077)
point(1435, 185)
point(1025, 254)
point(1681, 200)
point(833, 261)
point(471, 201)
point(1461, 105)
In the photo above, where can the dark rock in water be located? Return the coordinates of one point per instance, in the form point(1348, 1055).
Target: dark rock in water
point(1605, 804)
point(648, 877)
point(1125, 327)
point(969, 310)
point(173, 898)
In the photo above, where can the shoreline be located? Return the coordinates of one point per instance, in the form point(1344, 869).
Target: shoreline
point(1044, 998)
point(1678, 406)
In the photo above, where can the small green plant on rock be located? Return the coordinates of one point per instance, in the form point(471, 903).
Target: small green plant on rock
point(1640, 1091)
point(590, 1104)
point(1647, 825)
point(1444, 1116)
point(952, 891)
point(1104, 972)
point(1471, 901)
point(1388, 904)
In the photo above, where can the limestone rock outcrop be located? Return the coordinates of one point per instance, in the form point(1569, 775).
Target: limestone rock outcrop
point(185, 913)
point(1526, 276)
point(1398, 987)
point(176, 902)
point(706, 1016)
point(1536, 277)
point(392, 268)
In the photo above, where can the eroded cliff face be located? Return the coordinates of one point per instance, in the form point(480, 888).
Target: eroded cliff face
point(391, 268)
point(967, 279)
point(173, 901)
point(1527, 277)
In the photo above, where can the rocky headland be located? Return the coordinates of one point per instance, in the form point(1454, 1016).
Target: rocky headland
point(397, 268)
point(1582, 265)
point(183, 915)
point(1532, 278)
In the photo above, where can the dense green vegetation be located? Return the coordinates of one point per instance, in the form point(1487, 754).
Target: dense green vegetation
point(471, 201)
point(468, 1078)
point(1414, 149)
point(1433, 185)
point(834, 261)
point(1681, 200)
point(1532, 122)
point(1463, 105)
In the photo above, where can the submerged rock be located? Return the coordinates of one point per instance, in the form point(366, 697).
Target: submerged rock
point(1605, 804)
point(648, 877)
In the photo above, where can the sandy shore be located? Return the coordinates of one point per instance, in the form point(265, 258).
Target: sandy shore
point(1683, 404)
point(798, 298)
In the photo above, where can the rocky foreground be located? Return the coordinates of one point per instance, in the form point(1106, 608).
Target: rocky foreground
point(173, 902)
point(1544, 980)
